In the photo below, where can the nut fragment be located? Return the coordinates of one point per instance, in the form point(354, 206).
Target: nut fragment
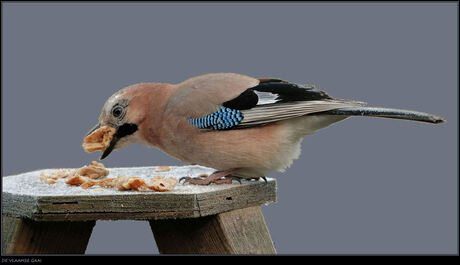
point(46, 178)
point(92, 175)
point(106, 183)
point(97, 164)
point(203, 175)
point(161, 183)
point(162, 169)
point(99, 139)
point(129, 182)
point(94, 170)
point(54, 176)
point(158, 183)
point(77, 180)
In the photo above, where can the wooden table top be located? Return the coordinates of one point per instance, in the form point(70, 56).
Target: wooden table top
point(25, 196)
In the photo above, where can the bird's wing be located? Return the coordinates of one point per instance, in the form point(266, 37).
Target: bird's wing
point(280, 100)
point(236, 102)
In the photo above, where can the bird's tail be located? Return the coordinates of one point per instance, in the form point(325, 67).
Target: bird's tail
point(387, 113)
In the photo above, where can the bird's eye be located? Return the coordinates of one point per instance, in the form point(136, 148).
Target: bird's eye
point(117, 111)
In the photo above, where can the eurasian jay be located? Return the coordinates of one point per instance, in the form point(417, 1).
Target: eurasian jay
point(241, 126)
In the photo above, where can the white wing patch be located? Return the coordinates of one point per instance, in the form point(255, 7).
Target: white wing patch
point(266, 97)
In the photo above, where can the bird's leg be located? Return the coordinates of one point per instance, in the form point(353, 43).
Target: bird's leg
point(218, 177)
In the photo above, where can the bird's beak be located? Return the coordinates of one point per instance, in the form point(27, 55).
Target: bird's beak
point(95, 127)
point(111, 146)
point(122, 131)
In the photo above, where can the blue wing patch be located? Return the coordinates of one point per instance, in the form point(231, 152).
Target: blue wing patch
point(222, 119)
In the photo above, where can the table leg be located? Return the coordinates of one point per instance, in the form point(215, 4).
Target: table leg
point(241, 231)
point(25, 236)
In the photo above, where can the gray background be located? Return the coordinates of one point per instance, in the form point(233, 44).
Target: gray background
point(364, 185)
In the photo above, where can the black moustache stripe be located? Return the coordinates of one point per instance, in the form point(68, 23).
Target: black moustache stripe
point(126, 129)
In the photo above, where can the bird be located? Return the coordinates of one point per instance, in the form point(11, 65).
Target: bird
point(241, 126)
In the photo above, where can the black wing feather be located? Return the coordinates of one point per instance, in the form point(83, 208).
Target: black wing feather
point(288, 92)
point(278, 91)
point(246, 100)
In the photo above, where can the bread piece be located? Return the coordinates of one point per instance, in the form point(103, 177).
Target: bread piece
point(94, 170)
point(77, 180)
point(160, 183)
point(48, 179)
point(99, 139)
point(54, 176)
point(162, 169)
point(89, 176)
point(130, 183)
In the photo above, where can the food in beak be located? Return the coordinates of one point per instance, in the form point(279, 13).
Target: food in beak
point(99, 139)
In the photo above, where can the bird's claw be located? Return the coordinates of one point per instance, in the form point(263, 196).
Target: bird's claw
point(224, 180)
point(234, 178)
point(216, 178)
point(185, 178)
point(258, 178)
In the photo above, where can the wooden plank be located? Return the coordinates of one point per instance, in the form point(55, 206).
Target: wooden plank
point(241, 231)
point(24, 196)
point(239, 196)
point(113, 216)
point(25, 236)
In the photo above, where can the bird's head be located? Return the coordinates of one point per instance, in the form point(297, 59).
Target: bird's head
point(126, 111)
